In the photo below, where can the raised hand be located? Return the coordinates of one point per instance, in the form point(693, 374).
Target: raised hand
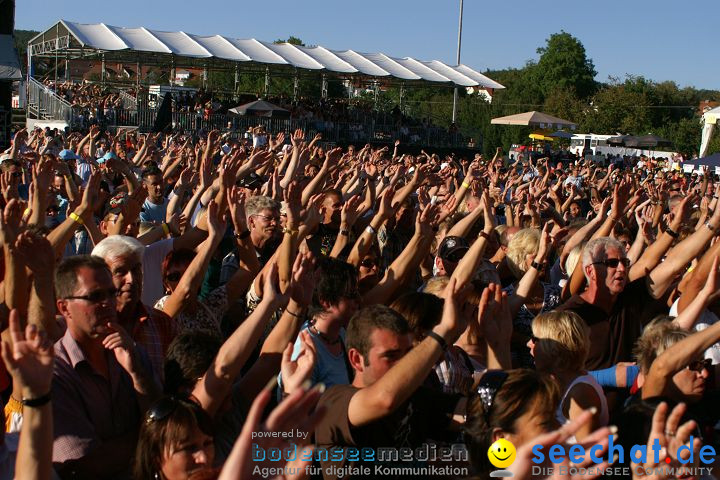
point(236, 203)
point(296, 372)
point(386, 209)
point(494, 316)
point(671, 435)
point(448, 208)
point(522, 466)
point(296, 413)
point(302, 284)
point(426, 220)
point(30, 357)
point(10, 223)
point(350, 211)
point(36, 253)
point(271, 291)
point(215, 223)
point(453, 322)
point(297, 138)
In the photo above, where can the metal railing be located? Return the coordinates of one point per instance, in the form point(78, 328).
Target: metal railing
point(44, 104)
point(129, 102)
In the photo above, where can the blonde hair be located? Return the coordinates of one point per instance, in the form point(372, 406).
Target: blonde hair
point(565, 338)
point(436, 286)
point(573, 258)
point(658, 336)
point(525, 242)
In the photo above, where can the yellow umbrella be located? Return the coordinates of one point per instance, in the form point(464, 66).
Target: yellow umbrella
point(540, 136)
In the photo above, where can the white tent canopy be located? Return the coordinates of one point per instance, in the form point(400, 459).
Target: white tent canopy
point(710, 119)
point(100, 37)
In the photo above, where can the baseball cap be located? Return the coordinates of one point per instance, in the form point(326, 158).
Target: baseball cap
point(106, 157)
point(453, 248)
point(67, 155)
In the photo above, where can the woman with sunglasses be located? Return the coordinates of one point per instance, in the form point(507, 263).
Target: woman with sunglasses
point(183, 272)
point(560, 343)
point(176, 442)
point(517, 405)
point(529, 295)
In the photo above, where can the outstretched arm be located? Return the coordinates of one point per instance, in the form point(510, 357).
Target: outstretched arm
point(392, 389)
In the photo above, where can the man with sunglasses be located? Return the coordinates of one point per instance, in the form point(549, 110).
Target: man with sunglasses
point(101, 381)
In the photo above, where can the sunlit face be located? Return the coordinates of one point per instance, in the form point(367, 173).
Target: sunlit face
point(154, 184)
point(194, 453)
point(691, 382)
point(127, 275)
point(536, 421)
point(332, 205)
point(387, 349)
point(368, 272)
point(608, 276)
point(265, 224)
point(575, 210)
point(87, 318)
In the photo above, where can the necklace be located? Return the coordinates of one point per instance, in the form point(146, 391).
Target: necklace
point(324, 337)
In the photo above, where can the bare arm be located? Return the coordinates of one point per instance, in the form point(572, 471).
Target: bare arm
point(214, 386)
point(392, 389)
point(191, 280)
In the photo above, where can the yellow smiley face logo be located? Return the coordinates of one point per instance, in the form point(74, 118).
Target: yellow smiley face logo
point(501, 453)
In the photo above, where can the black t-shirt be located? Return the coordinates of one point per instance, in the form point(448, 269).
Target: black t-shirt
point(613, 335)
point(426, 415)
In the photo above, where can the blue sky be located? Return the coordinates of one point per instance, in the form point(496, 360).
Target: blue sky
point(661, 40)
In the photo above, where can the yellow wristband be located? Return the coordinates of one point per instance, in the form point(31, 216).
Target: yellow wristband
point(76, 218)
point(27, 210)
point(466, 185)
point(166, 229)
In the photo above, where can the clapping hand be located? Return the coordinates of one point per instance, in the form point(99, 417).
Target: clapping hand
point(30, 357)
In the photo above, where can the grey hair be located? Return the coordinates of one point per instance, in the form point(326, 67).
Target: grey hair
point(116, 246)
point(596, 251)
point(258, 203)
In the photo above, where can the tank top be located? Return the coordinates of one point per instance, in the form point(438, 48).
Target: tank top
point(603, 412)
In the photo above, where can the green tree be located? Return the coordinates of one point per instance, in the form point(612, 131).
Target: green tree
point(562, 102)
point(291, 40)
point(615, 108)
point(563, 63)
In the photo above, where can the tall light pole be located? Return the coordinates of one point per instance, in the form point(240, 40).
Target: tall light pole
point(455, 92)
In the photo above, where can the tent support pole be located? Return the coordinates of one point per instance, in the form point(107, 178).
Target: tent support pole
point(57, 43)
point(324, 91)
point(455, 91)
point(237, 80)
point(402, 95)
point(102, 74)
point(296, 86)
point(267, 81)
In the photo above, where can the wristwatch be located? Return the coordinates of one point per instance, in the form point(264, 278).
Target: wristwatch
point(243, 235)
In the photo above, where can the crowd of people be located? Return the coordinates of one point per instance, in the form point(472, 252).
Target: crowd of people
point(350, 120)
point(175, 308)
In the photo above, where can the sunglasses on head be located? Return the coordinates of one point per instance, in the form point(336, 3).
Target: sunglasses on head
point(488, 387)
point(164, 407)
point(700, 365)
point(614, 262)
